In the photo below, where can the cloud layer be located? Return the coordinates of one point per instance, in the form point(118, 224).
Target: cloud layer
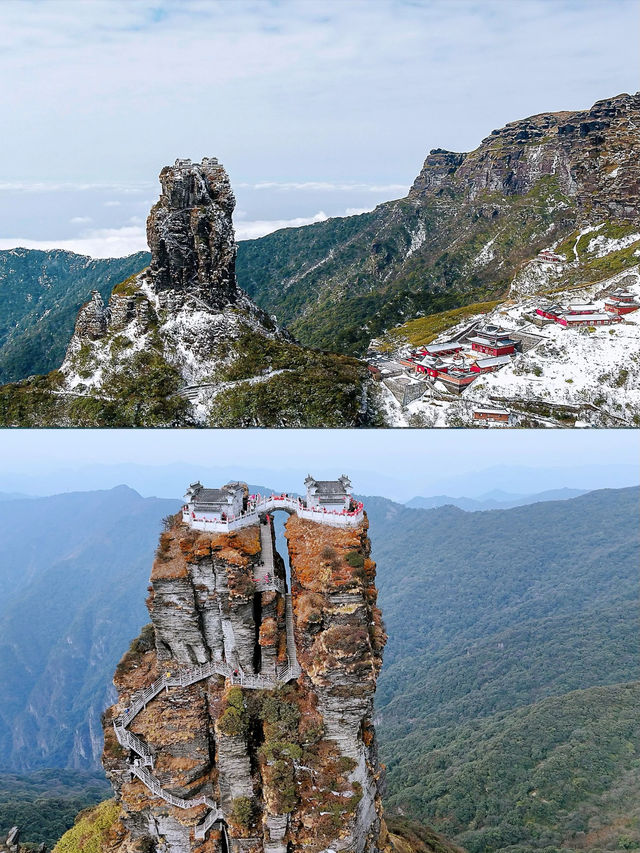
point(301, 100)
point(118, 242)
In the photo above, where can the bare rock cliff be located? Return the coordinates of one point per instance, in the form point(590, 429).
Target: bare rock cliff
point(190, 232)
point(593, 154)
point(275, 747)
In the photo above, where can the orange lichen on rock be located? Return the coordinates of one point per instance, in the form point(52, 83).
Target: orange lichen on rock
point(309, 609)
point(268, 634)
point(319, 553)
point(180, 545)
point(238, 546)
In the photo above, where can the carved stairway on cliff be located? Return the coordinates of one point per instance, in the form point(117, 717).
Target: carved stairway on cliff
point(264, 575)
point(185, 677)
point(273, 582)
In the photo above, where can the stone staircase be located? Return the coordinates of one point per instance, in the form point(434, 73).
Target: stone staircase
point(141, 698)
point(291, 640)
point(264, 575)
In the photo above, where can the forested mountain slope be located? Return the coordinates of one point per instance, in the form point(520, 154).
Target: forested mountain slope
point(561, 774)
point(40, 296)
point(511, 636)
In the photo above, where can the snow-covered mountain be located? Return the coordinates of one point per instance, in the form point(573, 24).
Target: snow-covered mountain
point(582, 375)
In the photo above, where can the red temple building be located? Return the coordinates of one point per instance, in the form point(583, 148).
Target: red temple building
point(621, 302)
point(493, 341)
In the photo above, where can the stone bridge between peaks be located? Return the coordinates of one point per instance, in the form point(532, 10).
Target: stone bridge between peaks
point(260, 505)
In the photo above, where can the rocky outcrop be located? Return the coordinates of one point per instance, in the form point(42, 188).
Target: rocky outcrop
point(180, 344)
point(191, 275)
point(437, 170)
point(594, 155)
point(12, 841)
point(190, 232)
point(11, 844)
point(92, 319)
point(293, 765)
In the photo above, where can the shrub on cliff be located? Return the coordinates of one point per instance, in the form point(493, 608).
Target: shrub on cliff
point(234, 720)
point(281, 750)
point(355, 559)
point(280, 779)
point(309, 611)
point(348, 639)
point(243, 812)
point(144, 642)
point(241, 585)
point(164, 547)
point(280, 716)
point(92, 826)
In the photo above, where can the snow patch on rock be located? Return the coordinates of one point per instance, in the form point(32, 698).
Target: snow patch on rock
point(601, 245)
point(417, 239)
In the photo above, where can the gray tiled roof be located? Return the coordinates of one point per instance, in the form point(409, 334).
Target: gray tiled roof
point(212, 496)
point(491, 362)
point(330, 487)
point(447, 345)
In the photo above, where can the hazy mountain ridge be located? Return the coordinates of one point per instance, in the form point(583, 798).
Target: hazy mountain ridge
point(492, 500)
point(40, 294)
point(53, 687)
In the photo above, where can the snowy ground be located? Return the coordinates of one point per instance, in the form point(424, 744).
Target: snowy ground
point(595, 373)
point(193, 337)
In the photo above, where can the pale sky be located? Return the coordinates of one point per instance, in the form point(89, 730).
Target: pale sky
point(316, 107)
point(394, 463)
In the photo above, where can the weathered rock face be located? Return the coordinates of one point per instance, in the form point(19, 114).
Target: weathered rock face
point(11, 844)
point(593, 154)
point(292, 766)
point(188, 299)
point(91, 322)
point(12, 841)
point(190, 232)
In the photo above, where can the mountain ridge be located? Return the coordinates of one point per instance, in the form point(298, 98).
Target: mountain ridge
point(467, 225)
point(492, 500)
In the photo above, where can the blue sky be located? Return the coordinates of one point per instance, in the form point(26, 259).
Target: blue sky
point(398, 464)
point(315, 108)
